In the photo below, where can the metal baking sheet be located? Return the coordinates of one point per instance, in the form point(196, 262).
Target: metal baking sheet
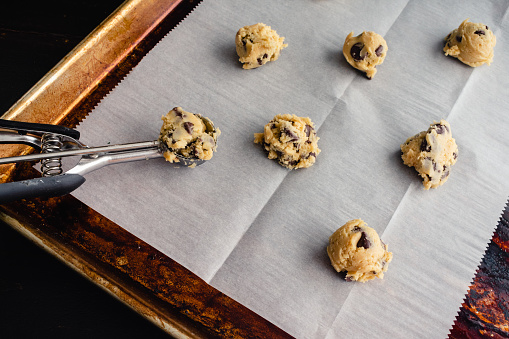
point(131, 269)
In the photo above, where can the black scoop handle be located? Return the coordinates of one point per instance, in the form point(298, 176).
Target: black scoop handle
point(45, 187)
point(26, 127)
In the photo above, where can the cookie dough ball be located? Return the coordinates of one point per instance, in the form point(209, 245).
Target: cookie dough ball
point(365, 51)
point(189, 135)
point(358, 250)
point(432, 153)
point(258, 44)
point(471, 43)
point(291, 140)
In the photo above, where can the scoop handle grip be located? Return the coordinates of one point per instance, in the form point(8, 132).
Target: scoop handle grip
point(25, 127)
point(45, 187)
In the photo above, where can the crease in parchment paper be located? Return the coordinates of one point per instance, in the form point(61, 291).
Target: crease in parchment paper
point(264, 242)
point(430, 322)
point(317, 128)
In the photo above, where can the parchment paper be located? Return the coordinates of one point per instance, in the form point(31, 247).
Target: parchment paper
point(257, 231)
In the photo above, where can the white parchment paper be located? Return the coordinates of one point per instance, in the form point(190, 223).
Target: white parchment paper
point(257, 231)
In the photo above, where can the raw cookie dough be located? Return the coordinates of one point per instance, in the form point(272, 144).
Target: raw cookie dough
point(258, 44)
point(186, 134)
point(358, 250)
point(365, 51)
point(471, 43)
point(432, 153)
point(291, 140)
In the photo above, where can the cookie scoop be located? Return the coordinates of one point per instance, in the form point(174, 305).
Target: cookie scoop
point(190, 147)
point(187, 137)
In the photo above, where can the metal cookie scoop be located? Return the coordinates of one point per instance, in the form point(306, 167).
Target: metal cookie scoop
point(56, 142)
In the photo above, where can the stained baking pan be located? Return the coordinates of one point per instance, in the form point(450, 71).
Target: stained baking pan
point(145, 279)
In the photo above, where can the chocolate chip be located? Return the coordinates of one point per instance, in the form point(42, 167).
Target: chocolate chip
point(308, 130)
point(363, 241)
point(454, 155)
point(189, 127)
point(265, 56)
point(193, 151)
point(178, 112)
point(356, 229)
point(479, 32)
point(439, 128)
point(424, 146)
point(259, 61)
point(445, 175)
point(459, 38)
point(355, 51)
point(293, 136)
point(311, 154)
point(487, 27)
point(379, 50)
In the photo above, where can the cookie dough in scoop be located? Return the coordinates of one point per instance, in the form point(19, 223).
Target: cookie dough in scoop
point(365, 51)
point(291, 140)
point(472, 43)
point(186, 134)
point(358, 250)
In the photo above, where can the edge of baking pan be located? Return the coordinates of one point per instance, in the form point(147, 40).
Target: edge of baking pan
point(151, 283)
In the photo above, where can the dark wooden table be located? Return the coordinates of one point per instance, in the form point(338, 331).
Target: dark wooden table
point(41, 297)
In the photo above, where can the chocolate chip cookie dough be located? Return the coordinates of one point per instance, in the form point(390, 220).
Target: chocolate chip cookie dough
point(358, 250)
point(187, 134)
point(472, 43)
point(291, 140)
point(258, 44)
point(432, 153)
point(365, 51)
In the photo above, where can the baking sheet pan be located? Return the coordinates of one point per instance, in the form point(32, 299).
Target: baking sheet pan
point(120, 261)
